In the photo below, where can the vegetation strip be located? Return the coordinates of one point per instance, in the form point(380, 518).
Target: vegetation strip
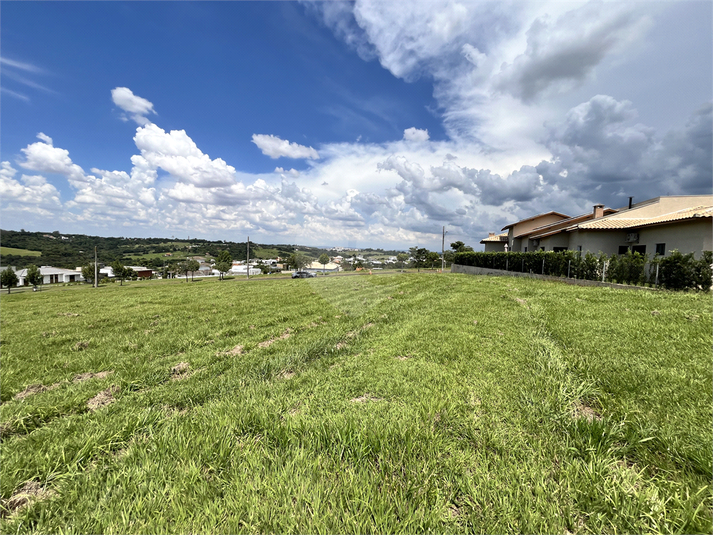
point(461, 404)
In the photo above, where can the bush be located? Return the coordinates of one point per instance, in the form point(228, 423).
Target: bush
point(676, 272)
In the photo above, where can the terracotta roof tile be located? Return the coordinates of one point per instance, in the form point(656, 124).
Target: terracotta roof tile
point(624, 223)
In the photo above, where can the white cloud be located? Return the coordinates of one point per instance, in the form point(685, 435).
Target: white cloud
point(43, 157)
point(31, 192)
point(177, 154)
point(136, 107)
point(414, 134)
point(274, 147)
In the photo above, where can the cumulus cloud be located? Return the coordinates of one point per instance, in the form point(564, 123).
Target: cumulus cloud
point(31, 191)
point(600, 152)
point(566, 51)
point(177, 154)
point(135, 107)
point(414, 134)
point(274, 147)
point(43, 157)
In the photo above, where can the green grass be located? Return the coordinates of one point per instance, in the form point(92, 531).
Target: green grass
point(398, 403)
point(18, 252)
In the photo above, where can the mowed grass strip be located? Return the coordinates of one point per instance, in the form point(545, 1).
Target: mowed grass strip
point(390, 403)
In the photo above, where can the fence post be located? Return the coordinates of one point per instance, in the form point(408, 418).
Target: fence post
point(543, 266)
point(657, 275)
point(604, 269)
point(569, 265)
point(506, 263)
point(522, 267)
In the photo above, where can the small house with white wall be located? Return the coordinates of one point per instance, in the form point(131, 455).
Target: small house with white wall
point(51, 275)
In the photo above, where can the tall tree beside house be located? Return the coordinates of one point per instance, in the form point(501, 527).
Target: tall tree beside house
point(433, 257)
point(34, 277)
point(9, 278)
point(192, 266)
point(460, 247)
point(324, 260)
point(419, 256)
point(401, 258)
point(223, 263)
point(88, 272)
point(120, 272)
point(298, 260)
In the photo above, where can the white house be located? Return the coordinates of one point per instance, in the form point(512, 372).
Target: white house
point(51, 275)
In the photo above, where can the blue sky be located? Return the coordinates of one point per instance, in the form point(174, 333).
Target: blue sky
point(361, 124)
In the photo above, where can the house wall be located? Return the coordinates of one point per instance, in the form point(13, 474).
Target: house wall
point(494, 247)
point(687, 237)
point(519, 244)
point(664, 205)
point(560, 239)
point(596, 241)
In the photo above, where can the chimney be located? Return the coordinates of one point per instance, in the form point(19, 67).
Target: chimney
point(631, 201)
point(598, 210)
point(491, 234)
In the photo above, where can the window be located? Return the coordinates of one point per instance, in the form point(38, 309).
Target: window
point(661, 249)
point(559, 249)
point(641, 249)
point(542, 248)
point(623, 249)
point(525, 249)
point(579, 248)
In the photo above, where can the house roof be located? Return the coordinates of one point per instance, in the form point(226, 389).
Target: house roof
point(49, 270)
point(497, 238)
point(558, 226)
point(625, 223)
point(564, 216)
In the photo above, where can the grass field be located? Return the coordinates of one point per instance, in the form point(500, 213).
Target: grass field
point(396, 403)
point(19, 252)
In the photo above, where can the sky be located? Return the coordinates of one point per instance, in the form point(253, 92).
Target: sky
point(360, 124)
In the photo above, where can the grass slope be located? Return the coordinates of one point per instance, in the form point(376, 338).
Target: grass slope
point(394, 403)
point(19, 252)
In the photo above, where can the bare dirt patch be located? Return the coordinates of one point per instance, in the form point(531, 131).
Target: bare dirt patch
point(403, 357)
point(365, 399)
point(68, 314)
point(295, 409)
point(368, 326)
point(340, 345)
point(180, 371)
point(30, 492)
point(585, 411)
point(521, 301)
point(286, 375)
point(81, 345)
point(237, 350)
point(283, 336)
point(89, 375)
point(655, 313)
point(103, 398)
point(35, 389)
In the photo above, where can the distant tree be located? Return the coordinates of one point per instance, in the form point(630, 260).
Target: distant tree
point(192, 266)
point(460, 247)
point(324, 260)
point(88, 272)
point(419, 256)
point(34, 277)
point(223, 263)
point(298, 260)
point(448, 257)
point(9, 278)
point(433, 257)
point(401, 258)
point(120, 272)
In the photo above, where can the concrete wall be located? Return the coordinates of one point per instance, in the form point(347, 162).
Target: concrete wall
point(560, 239)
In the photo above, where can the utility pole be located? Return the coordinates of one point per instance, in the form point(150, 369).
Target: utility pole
point(96, 269)
point(443, 250)
point(248, 260)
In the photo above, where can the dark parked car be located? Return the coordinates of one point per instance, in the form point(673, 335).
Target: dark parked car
point(302, 275)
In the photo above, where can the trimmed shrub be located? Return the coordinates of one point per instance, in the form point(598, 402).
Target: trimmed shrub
point(676, 272)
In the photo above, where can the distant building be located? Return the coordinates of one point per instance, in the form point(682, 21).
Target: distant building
point(495, 242)
point(51, 275)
